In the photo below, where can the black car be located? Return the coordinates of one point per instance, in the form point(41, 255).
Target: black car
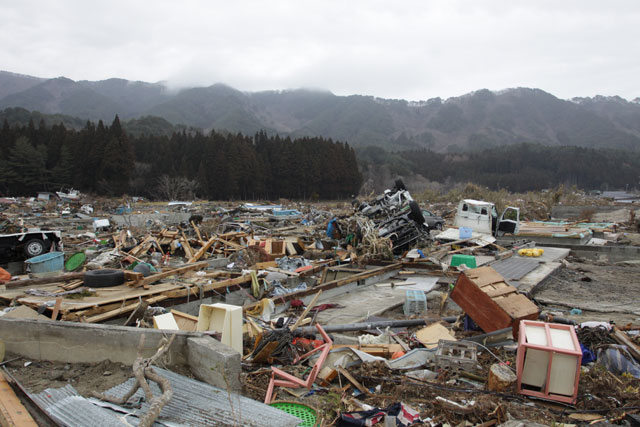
point(433, 221)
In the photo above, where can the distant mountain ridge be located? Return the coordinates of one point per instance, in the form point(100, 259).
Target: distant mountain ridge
point(481, 119)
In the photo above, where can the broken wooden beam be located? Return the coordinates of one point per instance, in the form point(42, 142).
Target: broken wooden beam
point(159, 276)
point(44, 280)
point(202, 250)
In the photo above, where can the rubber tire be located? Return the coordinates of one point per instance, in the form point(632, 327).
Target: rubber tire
point(416, 213)
point(32, 244)
point(103, 278)
point(399, 184)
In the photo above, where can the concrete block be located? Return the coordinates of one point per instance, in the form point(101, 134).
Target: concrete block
point(214, 363)
point(85, 343)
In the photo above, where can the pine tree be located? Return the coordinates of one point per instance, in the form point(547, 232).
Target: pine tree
point(118, 161)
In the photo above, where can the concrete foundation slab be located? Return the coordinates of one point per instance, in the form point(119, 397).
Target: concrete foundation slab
point(72, 342)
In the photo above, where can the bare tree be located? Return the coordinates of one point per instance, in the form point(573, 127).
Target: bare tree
point(175, 188)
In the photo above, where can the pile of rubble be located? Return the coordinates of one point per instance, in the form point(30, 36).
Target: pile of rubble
point(355, 314)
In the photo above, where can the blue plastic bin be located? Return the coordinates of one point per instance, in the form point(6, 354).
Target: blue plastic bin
point(465, 233)
point(46, 263)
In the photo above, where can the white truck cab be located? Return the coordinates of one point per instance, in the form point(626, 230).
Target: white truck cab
point(482, 217)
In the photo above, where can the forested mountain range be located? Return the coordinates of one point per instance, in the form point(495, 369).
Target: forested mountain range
point(478, 120)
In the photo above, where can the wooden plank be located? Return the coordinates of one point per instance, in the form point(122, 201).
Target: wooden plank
point(623, 339)
point(502, 291)
point(382, 350)
point(265, 265)
point(318, 267)
point(137, 314)
point(56, 308)
point(159, 276)
point(187, 247)
point(133, 277)
point(352, 380)
point(197, 230)
point(306, 311)
point(265, 353)
point(202, 250)
point(12, 411)
point(44, 280)
point(231, 244)
point(334, 284)
point(117, 312)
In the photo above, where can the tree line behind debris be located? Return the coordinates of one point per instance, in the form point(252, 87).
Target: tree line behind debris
point(105, 160)
point(516, 168)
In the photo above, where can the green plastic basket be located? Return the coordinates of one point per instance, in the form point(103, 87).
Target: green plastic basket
point(75, 261)
point(307, 414)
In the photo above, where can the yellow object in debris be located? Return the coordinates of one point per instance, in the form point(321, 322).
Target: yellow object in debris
point(531, 252)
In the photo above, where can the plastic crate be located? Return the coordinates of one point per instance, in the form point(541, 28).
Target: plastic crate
point(415, 302)
point(459, 259)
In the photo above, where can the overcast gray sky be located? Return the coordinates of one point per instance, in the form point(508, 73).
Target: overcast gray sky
point(393, 49)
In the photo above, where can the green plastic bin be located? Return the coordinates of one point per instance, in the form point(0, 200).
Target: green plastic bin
point(468, 260)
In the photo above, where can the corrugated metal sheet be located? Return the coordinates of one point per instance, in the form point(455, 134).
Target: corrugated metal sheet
point(193, 404)
point(68, 408)
point(515, 268)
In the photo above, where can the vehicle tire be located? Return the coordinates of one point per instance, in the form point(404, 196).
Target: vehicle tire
point(416, 214)
point(34, 247)
point(103, 278)
point(400, 185)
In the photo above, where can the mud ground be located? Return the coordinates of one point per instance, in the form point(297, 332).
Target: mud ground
point(602, 291)
point(84, 377)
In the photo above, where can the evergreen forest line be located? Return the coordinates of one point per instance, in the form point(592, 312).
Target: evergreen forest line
point(105, 160)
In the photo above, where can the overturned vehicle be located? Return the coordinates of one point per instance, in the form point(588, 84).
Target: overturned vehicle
point(392, 216)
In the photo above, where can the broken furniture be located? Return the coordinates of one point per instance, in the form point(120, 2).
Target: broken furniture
point(293, 382)
point(548, 361)
point(223, 318)
point(492, 303)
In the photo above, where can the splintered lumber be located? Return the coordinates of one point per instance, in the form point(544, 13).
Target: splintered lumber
point(137, 314)
point(56, 308)
point(623, 339)
point(202, 250)
point(115, 307)
point(318, 267)
point(159, 276)
point(197, 230)
point(334, 284)
point(12, 412)
point(44, 280)
point(125, 309)
point(352, 380)
point(382, 350)
point(231, 244)
point(365, 326)
point(74, 284)
point(306, 311)
point(186, 246)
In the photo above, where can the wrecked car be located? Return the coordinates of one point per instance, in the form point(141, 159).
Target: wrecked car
point(388, 203)
point(482, 217)
point(29, 244)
